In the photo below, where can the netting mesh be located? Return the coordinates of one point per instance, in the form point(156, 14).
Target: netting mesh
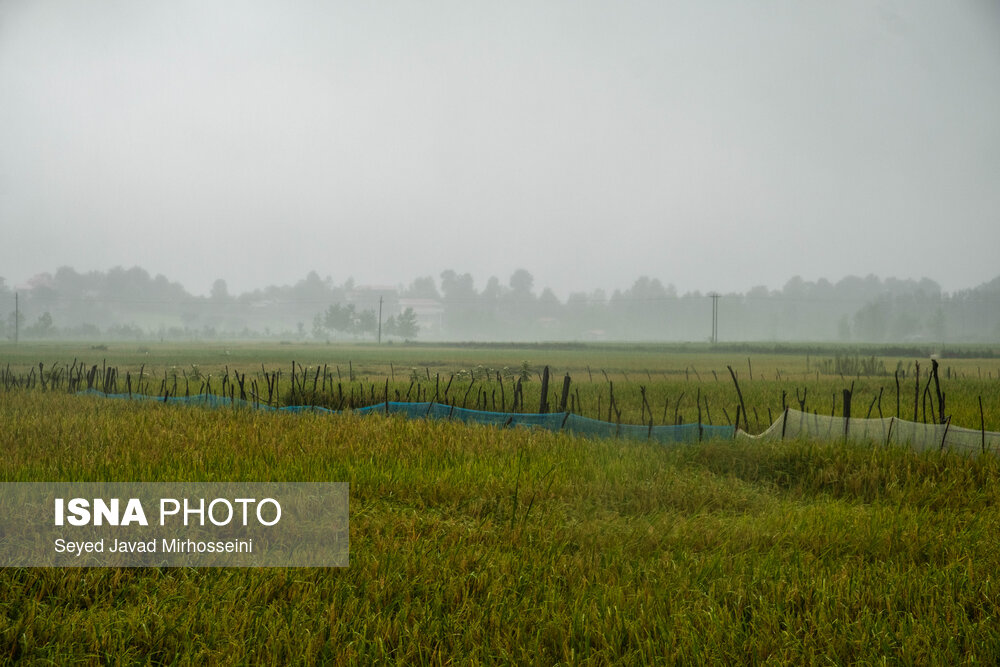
point(887, 431)
point(555, 421)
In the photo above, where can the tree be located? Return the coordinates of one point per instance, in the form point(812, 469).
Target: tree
point(339, 318)
point(14, 322)
point(843, 329)
point(871, 322)
point(521, 283)
point(389, 328)
point(318, 329)
point(42, 328)
point(937, 325)
point(457, 286)
point(493, 290)
point(220, 291)
point(311, 288)
point(422, 288)
point(367, 322)
point(460, 317)
point(406, 324)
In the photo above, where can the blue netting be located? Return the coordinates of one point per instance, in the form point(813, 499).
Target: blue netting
point(557, 421)
point(306, 408)
point(680, 433)
point(209, 400)
point(411, 410)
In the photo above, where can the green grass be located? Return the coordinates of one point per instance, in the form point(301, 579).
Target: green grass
point(677, 378)
point(473, 544)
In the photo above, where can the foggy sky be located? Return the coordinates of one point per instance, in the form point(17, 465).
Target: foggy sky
point(712, 145)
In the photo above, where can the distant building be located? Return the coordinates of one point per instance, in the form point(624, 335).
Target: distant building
point(365, 297)
point(429, 312)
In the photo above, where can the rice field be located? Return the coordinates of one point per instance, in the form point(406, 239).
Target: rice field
point(483, 545)
point(628, 384)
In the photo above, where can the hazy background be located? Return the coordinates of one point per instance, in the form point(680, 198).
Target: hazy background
point(712, 146)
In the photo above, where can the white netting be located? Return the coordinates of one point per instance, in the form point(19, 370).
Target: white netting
point(889, 431)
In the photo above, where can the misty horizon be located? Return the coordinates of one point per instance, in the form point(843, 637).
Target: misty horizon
point(713, 146)
point(45, 277)
point(132, 304)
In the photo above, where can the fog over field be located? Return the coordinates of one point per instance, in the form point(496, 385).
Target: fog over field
point(705, 146)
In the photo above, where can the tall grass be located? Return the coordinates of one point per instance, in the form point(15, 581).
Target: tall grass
point(475, 544)
point(680, 385)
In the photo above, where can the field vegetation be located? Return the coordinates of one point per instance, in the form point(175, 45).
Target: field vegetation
point(478, 544)
point(630, 384)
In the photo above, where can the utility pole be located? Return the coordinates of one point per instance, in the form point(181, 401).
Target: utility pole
point(715, 316)
point(17, 318)
point(380, 321)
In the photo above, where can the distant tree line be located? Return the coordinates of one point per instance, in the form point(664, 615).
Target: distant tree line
point(346, 319)
point(130, 304)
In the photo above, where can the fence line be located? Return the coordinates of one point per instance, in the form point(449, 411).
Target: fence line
point(888, 431)
point(553, 421)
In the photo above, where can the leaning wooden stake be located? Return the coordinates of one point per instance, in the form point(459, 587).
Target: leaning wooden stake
point(697, 400)
point(743, 408)
point(565, 393)
point(896, 375)
point(646, 403)
point(847, 411)
point(543, 402)
point(937, 389)
point(982, 423)
point(944, 436)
